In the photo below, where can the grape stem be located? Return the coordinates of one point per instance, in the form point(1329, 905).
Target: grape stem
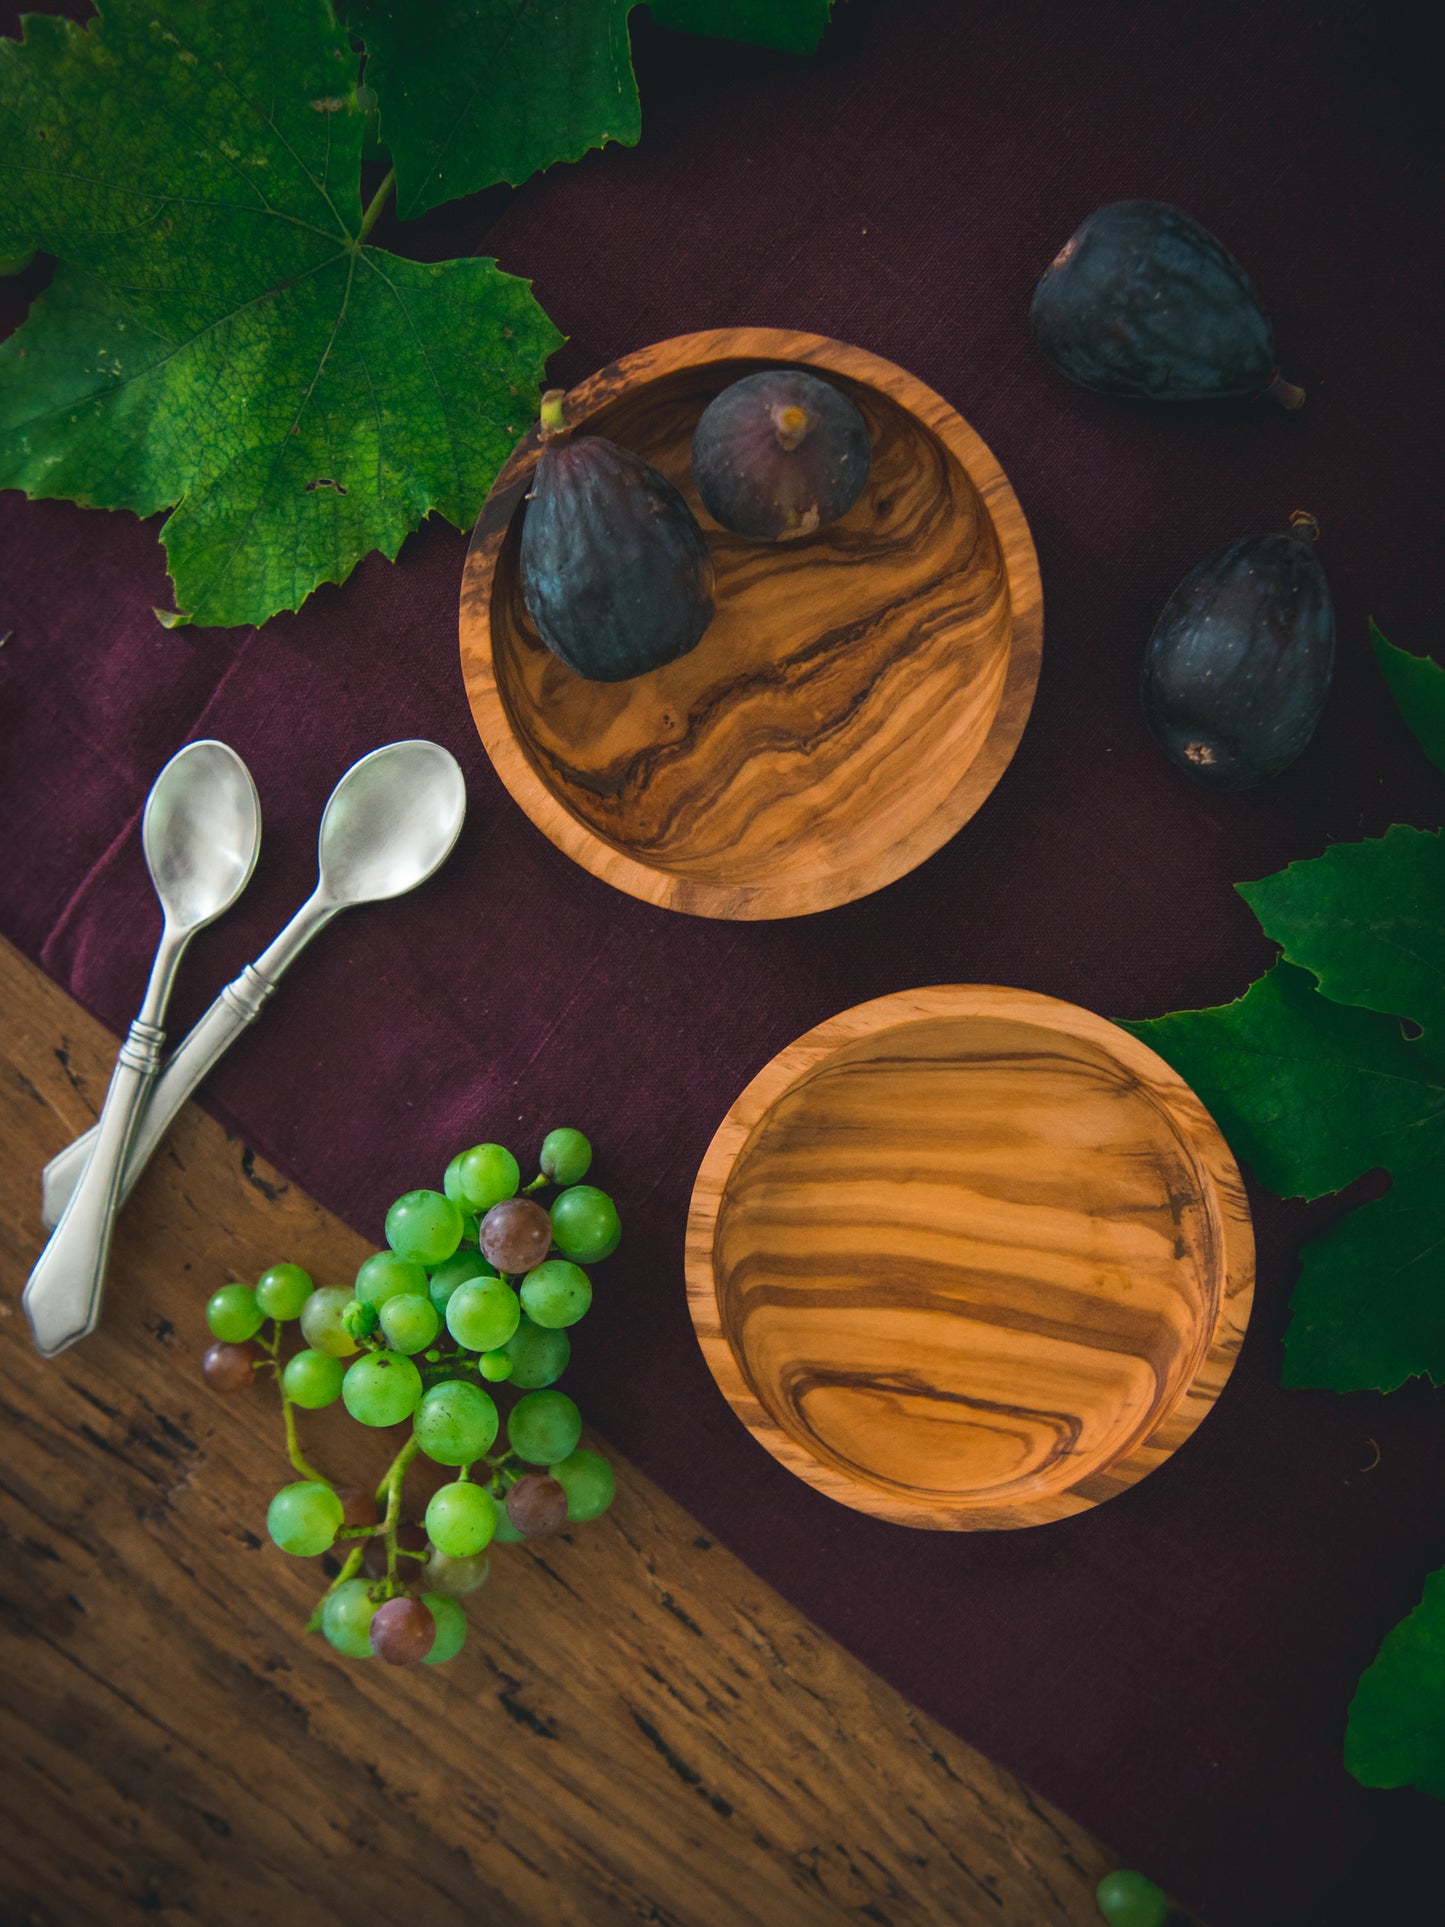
point(497, 1465)
point(388, 1495)
point(272, 1347)
point(536, 1184)
point(348, 1571)
point(293, 1443)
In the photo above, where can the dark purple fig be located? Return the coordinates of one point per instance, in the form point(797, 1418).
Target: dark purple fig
point(1238, 667)
point(616, 573)
point(1143, 301)
point(779, 455)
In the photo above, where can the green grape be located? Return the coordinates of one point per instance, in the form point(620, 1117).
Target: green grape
point(1128, 1899)
point(589, 1482)
point(383, 1275)
point(451, 1628)
point(455, 1422)
point(382, 1388)
point(410, 1322)
point(234, 1315)
point(506, 1533)
point(346, 1615)
point(461, 1519)
point(471, 1227)
point(321, 1324)
point(425, 1227)
point(360, 1320)
point(452, 1272)
point(544, 1427)
point(496, 1366)
point(538, 1357)
point(487, 1174)
point(452, 1182)
point(283, 1290)
point(556, 1293)
point(455, 1577)
point(483, 1314)
point(313, 1379)
point(585, 1224)
point(566, 1155)
point(305, 1518)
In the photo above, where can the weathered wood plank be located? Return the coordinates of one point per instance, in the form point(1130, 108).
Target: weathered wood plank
point(638, 1728)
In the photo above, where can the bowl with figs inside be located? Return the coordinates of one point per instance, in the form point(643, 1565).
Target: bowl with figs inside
point(969, 1258)
point(750, 623)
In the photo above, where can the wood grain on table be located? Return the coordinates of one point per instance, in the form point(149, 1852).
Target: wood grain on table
point(637, 1730)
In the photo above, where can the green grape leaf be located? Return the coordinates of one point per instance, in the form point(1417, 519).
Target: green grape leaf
point(1396, 1732)
point(218, 340)
point(1418, 686)
point(1368, 1311)
point(1310, 1093)
point(476, 94)
point(472, 95)
point(1369, 920)
point(1314, 1081)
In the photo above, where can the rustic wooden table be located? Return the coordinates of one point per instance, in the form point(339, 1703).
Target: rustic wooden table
point(637, 1730)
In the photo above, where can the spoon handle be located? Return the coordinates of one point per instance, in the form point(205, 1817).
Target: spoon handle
point(237, 1007)
point(62, 1295)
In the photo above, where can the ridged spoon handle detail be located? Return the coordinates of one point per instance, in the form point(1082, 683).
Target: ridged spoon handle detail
point(237, 1007)
point(62, 1294)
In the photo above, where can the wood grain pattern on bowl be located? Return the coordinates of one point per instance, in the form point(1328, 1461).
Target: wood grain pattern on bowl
point(856, 697)
point(969, 1257)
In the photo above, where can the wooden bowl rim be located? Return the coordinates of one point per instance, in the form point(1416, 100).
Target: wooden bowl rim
point(1197, 1133)
point(786, 897)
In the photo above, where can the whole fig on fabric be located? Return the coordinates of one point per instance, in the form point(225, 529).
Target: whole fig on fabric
point(616, 574)
point(1143, 301)
point(1238, 667)
point(779, 454)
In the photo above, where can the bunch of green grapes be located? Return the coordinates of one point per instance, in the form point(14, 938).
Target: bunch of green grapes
point(473, 1297)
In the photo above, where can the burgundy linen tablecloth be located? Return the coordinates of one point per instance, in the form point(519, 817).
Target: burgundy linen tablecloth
point(1173, 1668)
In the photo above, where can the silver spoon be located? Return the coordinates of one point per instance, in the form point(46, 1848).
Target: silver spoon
point(201, 832)
point(391, 822)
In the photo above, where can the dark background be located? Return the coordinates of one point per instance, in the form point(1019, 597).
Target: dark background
point(1174, 1669)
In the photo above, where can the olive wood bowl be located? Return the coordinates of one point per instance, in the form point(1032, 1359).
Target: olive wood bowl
point(855, 698)
point(968, 1258)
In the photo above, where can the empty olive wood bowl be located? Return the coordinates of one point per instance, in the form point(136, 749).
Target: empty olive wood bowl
point(969, 1258)
point(855, 698)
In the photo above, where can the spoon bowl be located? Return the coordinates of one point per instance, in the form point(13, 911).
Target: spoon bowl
point(391, 821)
point(202, 834)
